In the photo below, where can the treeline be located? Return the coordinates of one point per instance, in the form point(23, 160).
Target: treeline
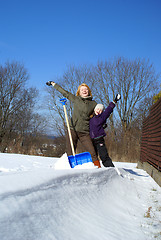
point(17, 119)
point(23, 129)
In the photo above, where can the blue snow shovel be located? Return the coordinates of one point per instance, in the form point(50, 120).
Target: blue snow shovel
point(75, 159)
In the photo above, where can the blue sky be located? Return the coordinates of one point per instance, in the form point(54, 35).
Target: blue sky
point(47, 36)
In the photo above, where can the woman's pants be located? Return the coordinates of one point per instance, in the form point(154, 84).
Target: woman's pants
point(86, 141)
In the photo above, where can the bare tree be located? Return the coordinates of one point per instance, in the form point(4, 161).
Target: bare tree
point(101, 79)
point(135, 80)
point(17, 102)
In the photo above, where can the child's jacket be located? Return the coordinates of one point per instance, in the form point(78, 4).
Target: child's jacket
point(96, 122)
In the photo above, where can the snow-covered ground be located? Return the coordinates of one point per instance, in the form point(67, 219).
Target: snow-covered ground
point(43, 199)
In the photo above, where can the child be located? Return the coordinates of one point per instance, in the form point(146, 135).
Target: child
point(97, 132)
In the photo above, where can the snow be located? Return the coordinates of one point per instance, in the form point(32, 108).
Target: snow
point(42, 198)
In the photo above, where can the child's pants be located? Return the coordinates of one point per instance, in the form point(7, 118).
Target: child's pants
point(101, 150)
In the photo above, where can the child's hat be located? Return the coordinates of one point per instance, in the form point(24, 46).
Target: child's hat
point(100, 106)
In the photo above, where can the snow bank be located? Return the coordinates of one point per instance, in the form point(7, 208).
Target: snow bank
point(42, 199)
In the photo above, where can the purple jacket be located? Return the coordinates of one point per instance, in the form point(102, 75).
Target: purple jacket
point(96, 122)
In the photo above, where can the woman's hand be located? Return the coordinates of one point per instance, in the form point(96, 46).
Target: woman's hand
point(53, 84)
point(49, 83)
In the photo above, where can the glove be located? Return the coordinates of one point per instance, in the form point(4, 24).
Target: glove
point(117, 98)
point(49, 83)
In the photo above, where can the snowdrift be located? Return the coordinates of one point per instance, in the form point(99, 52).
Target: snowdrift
point(42, 199)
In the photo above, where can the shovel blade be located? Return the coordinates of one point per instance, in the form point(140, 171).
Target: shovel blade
point(79, 159)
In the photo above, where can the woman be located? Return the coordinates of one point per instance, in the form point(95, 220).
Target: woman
point(83, 107)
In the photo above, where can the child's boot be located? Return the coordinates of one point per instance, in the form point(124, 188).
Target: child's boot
point(97, 163)
point(108, 163)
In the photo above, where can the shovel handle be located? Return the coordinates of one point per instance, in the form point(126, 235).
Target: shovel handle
point(63, 101)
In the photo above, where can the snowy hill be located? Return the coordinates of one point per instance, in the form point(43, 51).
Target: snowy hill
point(43, 199)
